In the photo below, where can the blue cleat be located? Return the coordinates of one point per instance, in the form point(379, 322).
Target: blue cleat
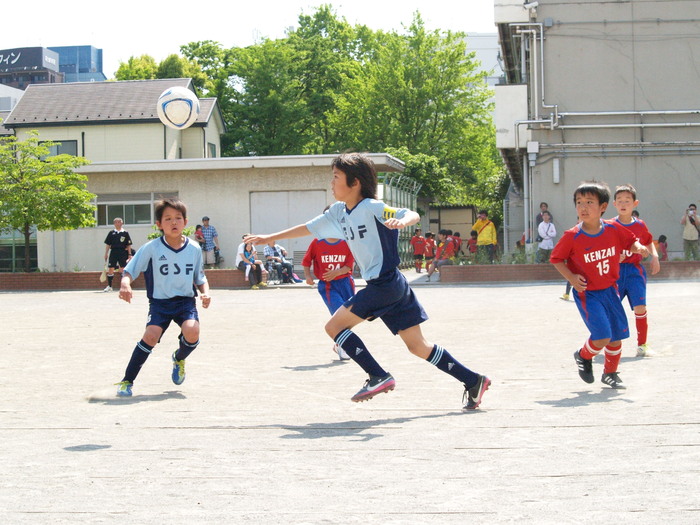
point(178, 370)
point(124, 389)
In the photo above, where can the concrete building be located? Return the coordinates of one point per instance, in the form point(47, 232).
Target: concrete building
point(23, 66)
point(604, 90)
point(240, 195)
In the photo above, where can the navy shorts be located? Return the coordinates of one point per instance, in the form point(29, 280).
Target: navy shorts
point(633, 284)
point(335, 293)
point(117, 258)
point(390, 298)
point(179, 309)
point(603, 314)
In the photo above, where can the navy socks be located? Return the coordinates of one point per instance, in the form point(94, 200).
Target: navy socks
point(185, 348)
point(357, 350)
point(442, 359)
point(138, 358)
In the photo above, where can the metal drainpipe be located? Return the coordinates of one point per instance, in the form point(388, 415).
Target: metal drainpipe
point(526, 200)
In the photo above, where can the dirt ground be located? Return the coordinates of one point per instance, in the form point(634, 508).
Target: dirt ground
point(263, 430)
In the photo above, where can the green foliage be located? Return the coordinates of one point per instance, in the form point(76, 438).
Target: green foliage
point(329, 86)
point(137, 68)
point(42, 192)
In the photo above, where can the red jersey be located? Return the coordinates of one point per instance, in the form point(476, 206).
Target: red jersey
point(458, 243)
point(418, 243)
point(639, 228)
point(446, 249)
point(596, 257)
point(430, 248)
point(324, 256)
point(471, 245)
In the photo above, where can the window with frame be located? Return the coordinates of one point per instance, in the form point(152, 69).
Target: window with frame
point(132, 208)
point(69, 147)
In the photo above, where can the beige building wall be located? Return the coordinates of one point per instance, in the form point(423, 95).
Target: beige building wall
point(141, 141)
point(219, 188)
point(612, 91)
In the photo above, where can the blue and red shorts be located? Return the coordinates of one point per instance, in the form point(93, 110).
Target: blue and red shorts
point(633, 284)
point(603, 314)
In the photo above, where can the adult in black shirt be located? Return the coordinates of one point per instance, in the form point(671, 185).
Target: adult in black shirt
point(117, 250)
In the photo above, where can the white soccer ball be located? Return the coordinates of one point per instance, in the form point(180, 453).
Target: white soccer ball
point(178, 107)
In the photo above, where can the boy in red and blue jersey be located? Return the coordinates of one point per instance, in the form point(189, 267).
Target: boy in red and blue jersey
point(588, 256)
point(633, 277)
point(332, 263)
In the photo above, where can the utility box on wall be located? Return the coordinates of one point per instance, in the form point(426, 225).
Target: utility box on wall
point(511, 107)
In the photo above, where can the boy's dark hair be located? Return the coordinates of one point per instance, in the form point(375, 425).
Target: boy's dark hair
point(662, 238)
point(429, 235)
point(483, 212)
point(628, 188)
point(443, 232)
point(175, 204)
point(593, 187)
point(358, 167)
point(456, 234)
point(473, 233)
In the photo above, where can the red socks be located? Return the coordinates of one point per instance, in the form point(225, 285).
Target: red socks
point(642, 327)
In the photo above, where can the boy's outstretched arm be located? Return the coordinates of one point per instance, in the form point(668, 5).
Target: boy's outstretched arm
point(410, 218)
point(295, 231)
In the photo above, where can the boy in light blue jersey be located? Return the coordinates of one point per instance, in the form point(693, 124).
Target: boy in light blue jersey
point(173, 270)
point(370, 228)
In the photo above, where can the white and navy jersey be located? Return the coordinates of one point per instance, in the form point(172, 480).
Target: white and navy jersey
point(374, 246)
point(168, 272)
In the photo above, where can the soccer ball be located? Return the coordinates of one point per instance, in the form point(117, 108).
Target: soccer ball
point(178, 107)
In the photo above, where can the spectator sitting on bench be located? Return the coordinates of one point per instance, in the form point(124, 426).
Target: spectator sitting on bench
point(276, 256)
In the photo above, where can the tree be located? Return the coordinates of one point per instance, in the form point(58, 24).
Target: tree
point(41, 191)
point(175, 66)
point(270, 114)
point(137, 68)
point(421, 94)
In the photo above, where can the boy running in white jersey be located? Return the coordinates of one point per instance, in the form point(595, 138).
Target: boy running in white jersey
point(370, 228)
point(172, 266)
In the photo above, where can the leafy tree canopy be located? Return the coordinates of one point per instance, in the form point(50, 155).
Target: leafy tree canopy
point(40, 191)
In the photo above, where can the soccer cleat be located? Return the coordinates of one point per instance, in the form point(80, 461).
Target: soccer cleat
point(428, 279)
point(565, 297)
point(263, 284)
point(178, 374)
point(124, 389)
point(585, 367)
point(342, 354)
point(644, 351)
point(472, 396)
point(373, 386)
point(612, 380)
point(255, 287)
point(107, 289)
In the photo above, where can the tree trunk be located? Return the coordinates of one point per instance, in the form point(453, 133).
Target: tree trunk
point(27, 259)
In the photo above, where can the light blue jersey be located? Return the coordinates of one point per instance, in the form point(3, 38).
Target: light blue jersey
point(373, 245)
point(168, 272)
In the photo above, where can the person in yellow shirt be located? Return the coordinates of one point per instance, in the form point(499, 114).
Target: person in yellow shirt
point(487, 240)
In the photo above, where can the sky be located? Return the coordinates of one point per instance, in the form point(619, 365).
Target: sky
point(133, 28)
